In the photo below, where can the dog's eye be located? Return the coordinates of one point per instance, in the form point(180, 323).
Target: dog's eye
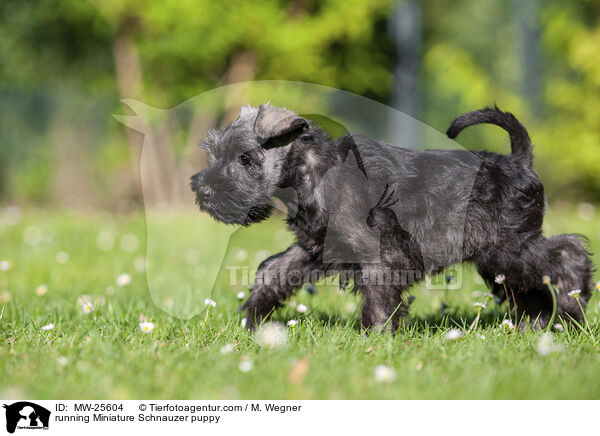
point(245, 160)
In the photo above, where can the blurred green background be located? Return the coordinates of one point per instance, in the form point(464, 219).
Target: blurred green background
point(66, 64)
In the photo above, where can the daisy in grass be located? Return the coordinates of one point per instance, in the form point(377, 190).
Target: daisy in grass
point(123, 280)
point(453, 334)
point(271, 335)
point(384, 374)
point(147, 327)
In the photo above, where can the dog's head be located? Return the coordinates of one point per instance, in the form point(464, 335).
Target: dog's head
point(247, 161)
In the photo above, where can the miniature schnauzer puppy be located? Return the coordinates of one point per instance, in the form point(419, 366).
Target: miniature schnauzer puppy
point(385, 217)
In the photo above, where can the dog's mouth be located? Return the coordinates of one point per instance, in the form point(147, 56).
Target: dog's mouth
point(232, 212)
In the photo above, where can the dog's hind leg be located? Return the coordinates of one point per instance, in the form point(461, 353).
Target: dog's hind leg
point(276, 279)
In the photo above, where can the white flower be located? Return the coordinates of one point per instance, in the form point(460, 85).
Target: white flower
point(575, 293)
point(292, 304)
point(546, 345)
point(292, 323)
point(41, 290)
point(480, 336)
point(384, 374)
point(139, 264)
point(301, 308)
point(62, 257)
point(4, 297)
point(87, 307)
point(488, 295)
point(47, 327)
point(209, 302)
point(62, 360)
point(244, 322)
point(241, 255)
point(558, 327)
point(241, 295)
point(350, 307)
point(105, 240)
point(147, 327)
point(478, 304)
point(129, 243)
point(453, 334)
point(271, 335)
point(500, 279)
point(245, 366)
point(33, 235)
point(6, 265)
point(123, 280)
point(226, 349)
point(507, 323)
point(598, 286)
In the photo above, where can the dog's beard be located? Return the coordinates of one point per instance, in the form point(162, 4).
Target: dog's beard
point(241, 214)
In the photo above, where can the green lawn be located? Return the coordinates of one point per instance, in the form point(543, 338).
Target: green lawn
point(104, 353)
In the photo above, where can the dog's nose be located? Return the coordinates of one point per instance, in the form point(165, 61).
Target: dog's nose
point(204, 192)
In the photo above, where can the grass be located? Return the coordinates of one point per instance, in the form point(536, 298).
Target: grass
point(104, 354)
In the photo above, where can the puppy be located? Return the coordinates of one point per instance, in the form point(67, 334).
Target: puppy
point(385, 217)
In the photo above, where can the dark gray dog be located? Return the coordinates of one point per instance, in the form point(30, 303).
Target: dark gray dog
point(385, 216)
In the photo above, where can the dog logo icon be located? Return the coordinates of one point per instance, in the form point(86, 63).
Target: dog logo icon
point(26, 415)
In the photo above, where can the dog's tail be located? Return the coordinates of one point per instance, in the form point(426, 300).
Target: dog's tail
point(519, 138)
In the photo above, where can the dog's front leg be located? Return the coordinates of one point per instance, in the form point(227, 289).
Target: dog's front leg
point(276, 279)
point(382, 299)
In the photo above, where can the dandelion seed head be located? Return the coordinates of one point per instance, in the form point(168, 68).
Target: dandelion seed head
point(271, 335)
point(453, 334)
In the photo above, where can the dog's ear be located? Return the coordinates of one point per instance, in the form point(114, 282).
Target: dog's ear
point(276, 127)
point(245, 110)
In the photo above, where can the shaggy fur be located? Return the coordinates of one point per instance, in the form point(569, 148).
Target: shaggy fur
point(385, 217)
